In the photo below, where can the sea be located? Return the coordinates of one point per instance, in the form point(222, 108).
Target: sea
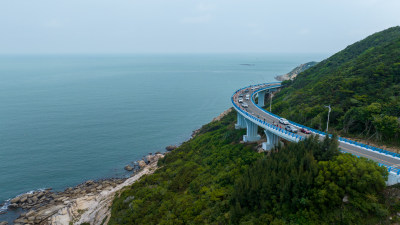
point(65, 119)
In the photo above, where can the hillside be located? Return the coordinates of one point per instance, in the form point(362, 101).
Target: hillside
point(293, 73)
point(215, 179)
point(361, 83)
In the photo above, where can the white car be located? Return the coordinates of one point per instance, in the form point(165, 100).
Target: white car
point(245, 105)
point(291, 129)
point(247, 97)
point(284, 121)
point(240, 100)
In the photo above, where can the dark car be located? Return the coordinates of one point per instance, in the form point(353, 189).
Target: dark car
point(247, 90)
point(304, 130)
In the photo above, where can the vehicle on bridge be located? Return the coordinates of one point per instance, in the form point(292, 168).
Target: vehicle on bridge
point(251, 118)
point(304, 130)
point(240, 100)
point(284, 121)
point(291, 129)
point(247, 97)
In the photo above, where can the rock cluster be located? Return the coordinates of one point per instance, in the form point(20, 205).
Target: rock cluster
point(128, 168)
point(220, 116)
point(45, 206)
point(171, 147)
point(144, 162)
point(195, 133)
point(40, 205)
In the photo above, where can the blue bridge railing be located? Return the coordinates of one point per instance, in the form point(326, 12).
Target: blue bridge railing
point(344, 140)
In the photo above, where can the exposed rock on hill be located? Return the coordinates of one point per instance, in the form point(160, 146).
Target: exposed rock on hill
point(292, 74)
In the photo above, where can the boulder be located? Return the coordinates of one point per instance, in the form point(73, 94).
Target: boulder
point(34, 199)
point(23, 199)
point(13, 206)
point(128, 168)
point(40, 194)
point(345, 199)
point(21, 220)
point(171, 147)
point(3, 223)
point(142, 163)
point(30, 213)
point(128, 199)
point(16, 199)
point(150, 158)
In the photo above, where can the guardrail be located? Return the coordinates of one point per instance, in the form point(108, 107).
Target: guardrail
point(283, 131)
point(389, 168)
point(344, 140)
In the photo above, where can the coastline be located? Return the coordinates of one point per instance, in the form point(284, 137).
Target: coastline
point(88, 202)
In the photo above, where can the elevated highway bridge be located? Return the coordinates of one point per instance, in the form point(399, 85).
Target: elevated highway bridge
point(251, 115)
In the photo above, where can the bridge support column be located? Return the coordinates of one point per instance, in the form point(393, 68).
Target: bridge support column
point(272, 140)
point(240, 122)
point(393, 179)
point(251, 134)
point(261, 98)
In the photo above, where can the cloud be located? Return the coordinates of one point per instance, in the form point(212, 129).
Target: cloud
point(197, 19)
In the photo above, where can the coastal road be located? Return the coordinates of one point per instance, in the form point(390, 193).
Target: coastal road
point(261, 114)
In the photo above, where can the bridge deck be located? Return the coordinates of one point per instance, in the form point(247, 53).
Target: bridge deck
point(387, 160)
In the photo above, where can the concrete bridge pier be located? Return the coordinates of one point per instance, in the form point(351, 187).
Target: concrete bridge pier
point(241, 123)
point(251, 134)
point(261, 98)
point(393, 179)
point(272, 140)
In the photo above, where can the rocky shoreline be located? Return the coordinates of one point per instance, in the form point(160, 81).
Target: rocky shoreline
point(76, 205)
point(89, 202)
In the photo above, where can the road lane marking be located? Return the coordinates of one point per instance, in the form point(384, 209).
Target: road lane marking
point(369, 157)
point(358, 152)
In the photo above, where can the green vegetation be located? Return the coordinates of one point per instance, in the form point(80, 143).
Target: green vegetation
point(213, 179)
point(310, 183)
point(361, 82)
point(194, 182)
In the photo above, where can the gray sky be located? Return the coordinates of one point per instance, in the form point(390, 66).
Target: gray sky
point(189, 26)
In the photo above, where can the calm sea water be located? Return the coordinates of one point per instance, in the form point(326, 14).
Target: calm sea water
point(67, 119)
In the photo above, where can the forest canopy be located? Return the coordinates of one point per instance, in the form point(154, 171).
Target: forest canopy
point(361, 83)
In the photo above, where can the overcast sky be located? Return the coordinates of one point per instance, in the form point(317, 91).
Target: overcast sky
point(189, 26)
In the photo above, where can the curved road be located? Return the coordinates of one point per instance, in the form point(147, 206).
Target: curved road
point(392, 162)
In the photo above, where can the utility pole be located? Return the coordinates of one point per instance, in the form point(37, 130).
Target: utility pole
point(270, 101)
point(329, 112)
